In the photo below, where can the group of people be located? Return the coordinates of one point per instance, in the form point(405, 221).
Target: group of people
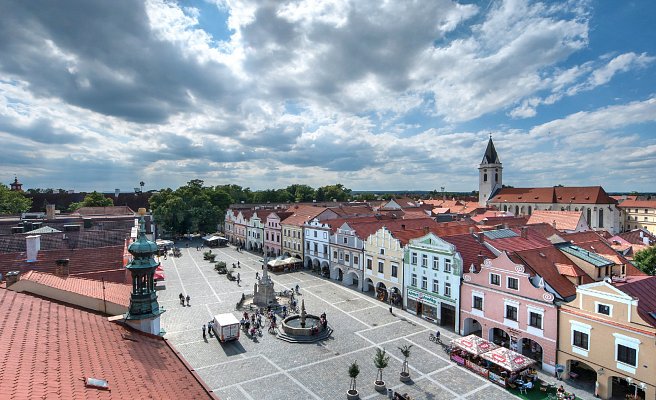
point(563, 395)
point(252, 324)
point(208, 330)
point(183, 298)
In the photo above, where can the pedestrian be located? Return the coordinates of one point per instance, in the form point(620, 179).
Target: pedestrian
point(238, 278)
point(210, 325)
point(204, 334)
point(297, 289)
point(181, 299)
point(188, 298)
point(257, 275)
point(390, 310)
point(238, 266)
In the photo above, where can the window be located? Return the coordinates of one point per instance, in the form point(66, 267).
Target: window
point(414, 280)
point(424, 260)
point(381, 265)
point(535, 320)
point(347, 257)
point(369, 262)
point(478, 303)
point(414, 259)
point(345, 240)
point(335, 255)
point(513, 283)
point(315, 233)
point(447, 289)
point(341, 255)
point(603, 309)
point(395, 270)
point(447, 265)
point(436, 263)
point(307, 245)
point(627, 355)
point(436, 286)
point(511, 313)
point(356, 260)
point(316, 248)
point(382, 252)
point(580, 340)
point(424, 282)
point(325, 249)
point(325, 235)
point(495, 279)
point(601, 218)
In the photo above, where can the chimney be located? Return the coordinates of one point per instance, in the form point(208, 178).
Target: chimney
point(50, 211)
point(524, 232)
point(481, 237)
point(471, 229)
point(12, 277)
point(62, 267)
point(117, 192)
point(481, 258)
point(403, 226)
point(33, 245)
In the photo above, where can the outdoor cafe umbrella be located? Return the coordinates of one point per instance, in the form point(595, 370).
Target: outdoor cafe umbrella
point(475, 345)
point(508, 359)
point(159, 276)
point(276, 263)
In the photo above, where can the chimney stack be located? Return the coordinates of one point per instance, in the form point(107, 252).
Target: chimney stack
point(50, 212)
point(524, 232)
point(33, 245)
point(117, 192)
point(62, 267)
point(12, 277)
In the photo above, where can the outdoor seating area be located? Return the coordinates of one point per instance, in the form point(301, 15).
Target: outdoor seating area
point(288, 264)
point(504, 367)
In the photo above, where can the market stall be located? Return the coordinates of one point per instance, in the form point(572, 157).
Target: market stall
point(467, 352)
point(507, 366)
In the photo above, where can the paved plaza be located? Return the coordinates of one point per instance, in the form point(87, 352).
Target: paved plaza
point(267, 368)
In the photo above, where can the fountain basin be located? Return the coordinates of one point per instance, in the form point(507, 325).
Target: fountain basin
point(292, 325)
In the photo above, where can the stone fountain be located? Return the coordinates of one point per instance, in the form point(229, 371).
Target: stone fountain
point(304, 324)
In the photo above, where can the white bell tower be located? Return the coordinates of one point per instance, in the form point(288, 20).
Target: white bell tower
point(490, 173)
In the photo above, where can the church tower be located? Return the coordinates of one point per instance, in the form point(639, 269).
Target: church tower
point(144, 310)
point(489, 174)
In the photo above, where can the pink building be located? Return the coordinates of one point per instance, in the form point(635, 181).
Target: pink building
point(510, 302)
point(273, 233)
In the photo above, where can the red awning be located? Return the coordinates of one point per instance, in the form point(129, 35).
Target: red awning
point(475, 345)
point(508, 359)
point(159, 276)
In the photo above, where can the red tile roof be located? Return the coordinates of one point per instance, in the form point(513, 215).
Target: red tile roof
point(562, 220)
point(469, 248)
point(511, 222)
point(643, 289)
point(81, 261)
point(533, 240)
point(118, 293)
point(47, 348)
point(302, 214)
point(593, 242)
point(637, 236)
point(633, 203)
point(552, 265)
point(545, 230)
point(558, 194)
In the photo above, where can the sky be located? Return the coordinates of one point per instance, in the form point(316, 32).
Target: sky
point(373, 94)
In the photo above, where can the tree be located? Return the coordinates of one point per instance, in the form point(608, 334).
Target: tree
point(12, 202)
point(381, 360)
point(335, 192)
point(93, 199)
point(405, 352)
point(353, 371)
point(645, 260)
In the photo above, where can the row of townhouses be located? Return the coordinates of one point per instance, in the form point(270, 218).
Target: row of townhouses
point(552, 282)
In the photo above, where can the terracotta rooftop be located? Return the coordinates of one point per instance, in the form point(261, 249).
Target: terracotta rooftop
point(470, 249)
point(516, 242)
point(302, 214)
point(81, 262)
point(593, 242)
point(638, 236)
point(112, 210)
point(557, 194)
point(552, 266)
point(561, 220)
point(66, 240)
point(634, 203)
point(75, 344)
point(118, 293)
point(643, 289)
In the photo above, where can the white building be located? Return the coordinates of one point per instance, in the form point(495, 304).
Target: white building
point(316, 242)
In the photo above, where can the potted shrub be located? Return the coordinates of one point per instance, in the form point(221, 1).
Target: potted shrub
point(221, 267)
point(405, 372)
point(352, 392)
point(381, 360)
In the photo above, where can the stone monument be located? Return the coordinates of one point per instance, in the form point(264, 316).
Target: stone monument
point(263, 292)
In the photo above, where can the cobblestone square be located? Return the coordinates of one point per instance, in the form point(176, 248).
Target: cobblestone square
point(264, 367)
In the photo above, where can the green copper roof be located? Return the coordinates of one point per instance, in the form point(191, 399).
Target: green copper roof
point(500, 234)
point(585, 255)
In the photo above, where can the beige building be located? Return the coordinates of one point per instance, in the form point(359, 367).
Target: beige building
point(292, 227)
point(607, 337)
point(639, 214)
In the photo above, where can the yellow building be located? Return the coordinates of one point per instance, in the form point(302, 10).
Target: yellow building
point(292, 228)
point(639, 214)
point(607, 337)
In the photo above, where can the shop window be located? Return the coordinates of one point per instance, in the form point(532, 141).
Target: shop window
point(495, 279)
point(424, 282)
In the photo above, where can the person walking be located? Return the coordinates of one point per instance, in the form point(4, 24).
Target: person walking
point(188, 298)
point(210, 326)
point(238, 266)
point(257, 275)
point(181, 299)
point(298, 289)
point(238, 278)
point(204, 334)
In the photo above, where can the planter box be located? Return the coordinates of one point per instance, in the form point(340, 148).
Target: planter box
point(380, 388)
point(403, 377)
point(352, 396)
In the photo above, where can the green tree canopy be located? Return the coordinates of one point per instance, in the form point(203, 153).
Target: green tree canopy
point(13, 202)
point(93, 199)
point(645, 260)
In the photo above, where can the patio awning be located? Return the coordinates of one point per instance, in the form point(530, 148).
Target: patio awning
point(508, 359)
point(276, 263)
point(291, 260)
point(475, 345)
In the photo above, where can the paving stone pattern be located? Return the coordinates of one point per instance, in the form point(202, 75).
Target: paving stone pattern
point(267, 368)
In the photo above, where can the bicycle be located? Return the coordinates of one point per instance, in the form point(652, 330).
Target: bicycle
point(435, 339)
point(272, 327)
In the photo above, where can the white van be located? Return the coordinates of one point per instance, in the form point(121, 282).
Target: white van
point(226, 327)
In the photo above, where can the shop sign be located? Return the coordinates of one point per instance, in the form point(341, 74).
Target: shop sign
point(422, 297)
point(477, 368)
point(459, 360)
